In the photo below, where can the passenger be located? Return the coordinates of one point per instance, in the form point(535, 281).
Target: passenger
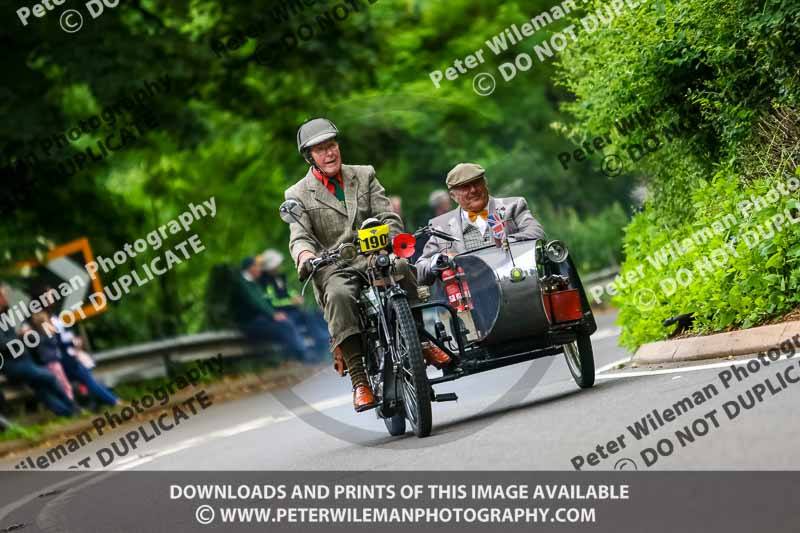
point(469, 221)
point(256, 317)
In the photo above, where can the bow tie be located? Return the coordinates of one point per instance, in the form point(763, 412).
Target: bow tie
point(473, 215)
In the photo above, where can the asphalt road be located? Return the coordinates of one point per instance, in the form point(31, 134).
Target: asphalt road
point(527, 416)
point(521, 418)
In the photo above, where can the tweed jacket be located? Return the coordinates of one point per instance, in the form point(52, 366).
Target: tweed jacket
point(331, 221)
point(520, 224)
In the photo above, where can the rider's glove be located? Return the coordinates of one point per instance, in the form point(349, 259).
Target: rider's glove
point(304, 271)
point(439, 263)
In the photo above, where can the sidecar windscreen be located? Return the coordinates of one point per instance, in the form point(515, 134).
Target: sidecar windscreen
point(485, 291)
point(505, 308)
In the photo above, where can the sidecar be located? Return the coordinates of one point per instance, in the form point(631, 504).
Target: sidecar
point(524, 301)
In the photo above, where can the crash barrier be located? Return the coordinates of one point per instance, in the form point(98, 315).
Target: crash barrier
point(154, 359)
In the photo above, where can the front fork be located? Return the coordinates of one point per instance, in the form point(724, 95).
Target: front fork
point(390, 393)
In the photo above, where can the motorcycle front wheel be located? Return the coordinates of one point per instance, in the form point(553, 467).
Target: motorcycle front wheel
point(412, 379)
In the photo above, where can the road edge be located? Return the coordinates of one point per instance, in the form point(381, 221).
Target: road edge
point(718, 345)
point(228, 389)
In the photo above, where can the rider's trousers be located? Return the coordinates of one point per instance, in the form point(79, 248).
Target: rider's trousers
point(338, 292)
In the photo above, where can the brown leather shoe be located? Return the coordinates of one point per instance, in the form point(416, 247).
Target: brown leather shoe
point(434, 355)
point(363, 398)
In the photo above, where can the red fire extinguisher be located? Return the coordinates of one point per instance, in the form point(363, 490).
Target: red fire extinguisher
point(457, 289)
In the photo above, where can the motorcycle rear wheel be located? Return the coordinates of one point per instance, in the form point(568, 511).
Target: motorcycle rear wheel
point(412, 379)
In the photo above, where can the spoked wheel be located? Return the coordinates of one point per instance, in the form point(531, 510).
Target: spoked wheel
point(412, 379)
point(580, 360)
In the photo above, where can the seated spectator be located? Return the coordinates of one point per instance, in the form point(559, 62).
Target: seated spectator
point(256, 317)
point(22, 370)
point(289, 301)
point(75, 362)
point(47, 352)
point(78, 364)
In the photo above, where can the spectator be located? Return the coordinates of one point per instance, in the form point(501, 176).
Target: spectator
point(397, 205)
point(439, 203)
point(78, 364)
point(256, 317)
point(75, 362)
point(47, 351)
point(289, 301)
point(22, 370)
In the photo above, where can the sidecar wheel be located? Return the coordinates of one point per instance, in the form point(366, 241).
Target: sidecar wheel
point(396, 424)
point(580, 360)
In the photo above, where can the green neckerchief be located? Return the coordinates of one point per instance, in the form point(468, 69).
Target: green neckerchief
point(339, 191)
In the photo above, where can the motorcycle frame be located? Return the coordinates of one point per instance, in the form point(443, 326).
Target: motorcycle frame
point(390, 398)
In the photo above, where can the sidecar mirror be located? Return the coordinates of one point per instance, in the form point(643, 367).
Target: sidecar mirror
point(291, 210)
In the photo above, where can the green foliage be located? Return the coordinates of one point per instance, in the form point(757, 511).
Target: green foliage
point(227, 128)
point(594, 241)
point(740, 277)
point(721, 67)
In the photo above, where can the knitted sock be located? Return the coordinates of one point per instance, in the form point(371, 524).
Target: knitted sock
point(351, 353)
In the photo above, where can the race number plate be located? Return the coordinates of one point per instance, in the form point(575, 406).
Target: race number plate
point(374, 239)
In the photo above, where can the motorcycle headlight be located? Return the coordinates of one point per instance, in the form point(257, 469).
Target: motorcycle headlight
point(556, 251)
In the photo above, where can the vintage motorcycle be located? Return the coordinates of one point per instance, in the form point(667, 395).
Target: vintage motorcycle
point(510, 302)
point(393, 362)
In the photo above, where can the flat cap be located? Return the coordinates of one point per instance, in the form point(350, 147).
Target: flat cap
point(464, 173)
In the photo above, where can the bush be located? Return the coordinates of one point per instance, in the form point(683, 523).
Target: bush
point(740, 277)
point(717, 67)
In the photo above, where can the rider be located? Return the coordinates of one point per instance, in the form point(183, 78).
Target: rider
point(468, 222)
point(337, 199)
